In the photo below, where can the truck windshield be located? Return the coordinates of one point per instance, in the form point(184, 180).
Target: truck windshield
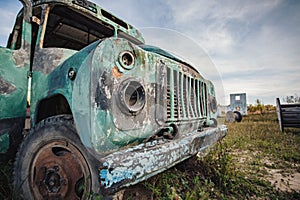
point(72, 30)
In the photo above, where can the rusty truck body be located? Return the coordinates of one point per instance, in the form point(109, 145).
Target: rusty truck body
point(106, 110)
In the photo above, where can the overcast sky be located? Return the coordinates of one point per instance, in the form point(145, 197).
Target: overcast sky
point(252, 46)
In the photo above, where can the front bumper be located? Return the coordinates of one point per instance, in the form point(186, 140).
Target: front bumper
point(132, 165)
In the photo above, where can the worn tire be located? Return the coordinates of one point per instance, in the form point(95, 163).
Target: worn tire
point(52, 163)
point(238, 116)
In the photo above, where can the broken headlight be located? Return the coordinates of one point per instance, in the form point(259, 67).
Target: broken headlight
point(131, 96)
point(126, 60)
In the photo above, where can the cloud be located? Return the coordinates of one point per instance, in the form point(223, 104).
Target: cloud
point(219, 25)
point(254, 44)
point(137, 13)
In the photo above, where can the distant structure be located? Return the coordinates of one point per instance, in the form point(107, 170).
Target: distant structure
point(236, 110)
point(238, 102)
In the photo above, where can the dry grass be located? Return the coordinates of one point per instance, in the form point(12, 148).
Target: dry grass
point(254, 161)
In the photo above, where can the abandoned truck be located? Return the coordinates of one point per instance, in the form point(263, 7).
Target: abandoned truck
point(106, 110)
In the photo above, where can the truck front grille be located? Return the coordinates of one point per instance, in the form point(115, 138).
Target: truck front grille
point(185, 96)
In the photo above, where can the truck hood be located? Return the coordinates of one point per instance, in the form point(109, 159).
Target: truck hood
point(166, 54)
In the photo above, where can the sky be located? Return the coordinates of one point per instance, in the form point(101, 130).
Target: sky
point(243, 46)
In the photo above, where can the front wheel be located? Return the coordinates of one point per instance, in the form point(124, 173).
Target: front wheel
point(52, 163)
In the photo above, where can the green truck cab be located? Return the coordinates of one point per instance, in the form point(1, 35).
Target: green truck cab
point(106, 110)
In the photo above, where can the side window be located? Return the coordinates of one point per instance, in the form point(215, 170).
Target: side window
point(72, 30)
point(15, 38)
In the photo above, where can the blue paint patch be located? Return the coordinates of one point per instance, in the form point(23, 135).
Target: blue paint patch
point(115, 176)
point(105, 164)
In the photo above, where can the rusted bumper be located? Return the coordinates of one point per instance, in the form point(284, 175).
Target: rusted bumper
point(129, 166)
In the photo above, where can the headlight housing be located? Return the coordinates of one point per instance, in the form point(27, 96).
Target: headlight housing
point(126, 60)
point(131, 96)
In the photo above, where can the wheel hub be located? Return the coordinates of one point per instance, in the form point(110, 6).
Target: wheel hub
point(53, 180)
point(59, 171)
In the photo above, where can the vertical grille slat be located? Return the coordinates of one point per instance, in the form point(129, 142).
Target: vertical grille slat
point(182, 108)
point(198, 98)
point(185, 94)
point(195, 97)
point(177, 85)
point(205, 99)
point(191, 98)
point(176, 105)
point(169, 98)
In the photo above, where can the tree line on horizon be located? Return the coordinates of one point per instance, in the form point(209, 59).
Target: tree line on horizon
point(291, 99)
point(260, 108)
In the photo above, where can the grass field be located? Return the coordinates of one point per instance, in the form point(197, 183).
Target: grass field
point(254, 161)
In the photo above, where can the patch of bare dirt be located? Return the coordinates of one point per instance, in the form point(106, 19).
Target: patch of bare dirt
point(284, 181)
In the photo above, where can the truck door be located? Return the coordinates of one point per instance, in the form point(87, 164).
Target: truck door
point(15, 62)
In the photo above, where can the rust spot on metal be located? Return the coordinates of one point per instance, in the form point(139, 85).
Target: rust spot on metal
point(116, 73)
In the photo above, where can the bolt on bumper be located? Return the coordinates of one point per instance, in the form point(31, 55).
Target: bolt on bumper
point(129, 166)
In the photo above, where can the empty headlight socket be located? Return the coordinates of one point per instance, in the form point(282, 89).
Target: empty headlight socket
point(132, 96)
point(126, 60)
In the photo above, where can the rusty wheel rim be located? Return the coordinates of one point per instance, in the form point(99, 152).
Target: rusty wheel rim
point(58, 171)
